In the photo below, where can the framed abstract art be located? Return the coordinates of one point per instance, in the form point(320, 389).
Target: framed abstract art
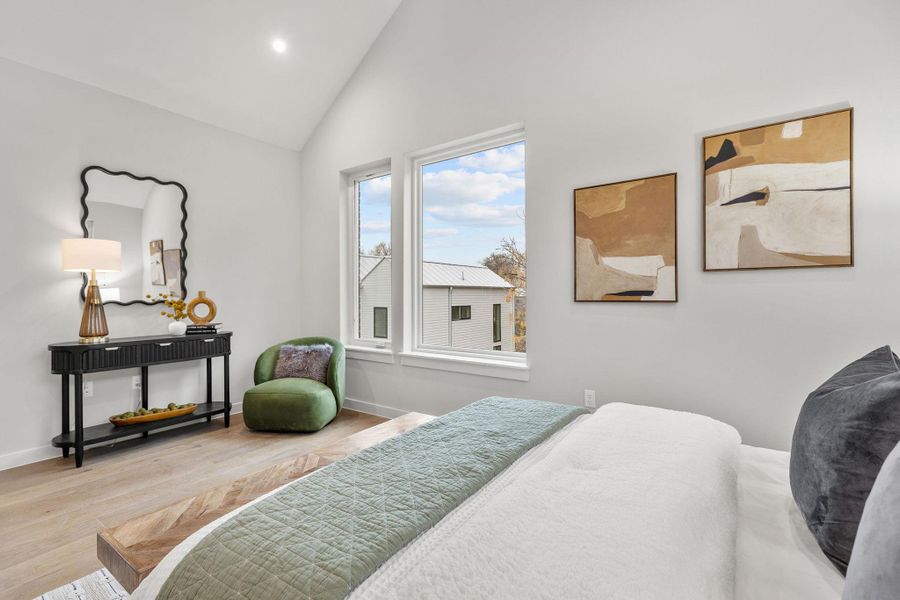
point(626, 241)
point(780, 195)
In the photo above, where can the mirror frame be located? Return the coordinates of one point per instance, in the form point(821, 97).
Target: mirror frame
point(184, 233)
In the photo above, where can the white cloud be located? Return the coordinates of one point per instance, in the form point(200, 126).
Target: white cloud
point(473, 214)
point(458, 186)
point(507, 158)
point(376, 191)
point(375, 227)
point(381, 185)
point(441, 232)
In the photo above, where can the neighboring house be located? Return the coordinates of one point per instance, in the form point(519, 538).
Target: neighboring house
point(464, 306)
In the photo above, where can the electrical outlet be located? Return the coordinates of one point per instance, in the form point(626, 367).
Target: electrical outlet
point(136, 382)
point(87, 389)
point(590, 399)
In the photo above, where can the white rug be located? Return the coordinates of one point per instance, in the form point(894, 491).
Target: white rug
point(99, 585)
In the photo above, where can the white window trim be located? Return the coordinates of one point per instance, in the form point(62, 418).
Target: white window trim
point(368, 353)
point(470, 365)
point(350, 263)
point(507, 365)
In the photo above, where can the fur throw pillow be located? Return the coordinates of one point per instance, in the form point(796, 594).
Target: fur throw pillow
point(309, 362)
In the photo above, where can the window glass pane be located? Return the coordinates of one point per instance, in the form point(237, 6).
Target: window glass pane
point(373, 204)
point(460, 313)
point(380, 326)
point(473, 251)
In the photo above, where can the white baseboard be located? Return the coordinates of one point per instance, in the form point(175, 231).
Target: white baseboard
point(388, 412)
point(19, 458)
point(26, 457)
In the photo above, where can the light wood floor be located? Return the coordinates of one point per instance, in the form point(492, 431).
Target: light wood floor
point(50, 512)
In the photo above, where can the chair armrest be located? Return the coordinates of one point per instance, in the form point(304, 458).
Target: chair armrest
point(265, 364)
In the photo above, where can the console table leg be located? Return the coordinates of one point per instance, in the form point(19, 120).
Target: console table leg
point(145, 393)
point(227, 393)
point(209, 385)
point(65, 410)
point(79, 420)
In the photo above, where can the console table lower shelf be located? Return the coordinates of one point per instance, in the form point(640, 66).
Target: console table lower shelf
point(106, 432)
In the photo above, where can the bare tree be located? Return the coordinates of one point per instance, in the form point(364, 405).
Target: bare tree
point(381, 249)
point(509, 262)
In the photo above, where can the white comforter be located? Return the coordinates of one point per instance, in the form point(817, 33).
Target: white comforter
point(630, 503)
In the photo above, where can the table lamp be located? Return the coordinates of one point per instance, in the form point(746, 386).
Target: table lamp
point(89, 255)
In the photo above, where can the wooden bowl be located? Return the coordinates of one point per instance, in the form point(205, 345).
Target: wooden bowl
point(166, 414)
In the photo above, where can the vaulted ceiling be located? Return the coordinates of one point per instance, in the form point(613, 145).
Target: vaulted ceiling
point(211, 60)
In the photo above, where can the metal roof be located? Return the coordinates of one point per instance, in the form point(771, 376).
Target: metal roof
point(368, 263)
point(437, 274)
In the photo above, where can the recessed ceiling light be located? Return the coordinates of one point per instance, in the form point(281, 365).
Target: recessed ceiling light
point(279, 45)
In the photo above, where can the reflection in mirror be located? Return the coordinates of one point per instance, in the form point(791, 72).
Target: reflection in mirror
point(147, 217)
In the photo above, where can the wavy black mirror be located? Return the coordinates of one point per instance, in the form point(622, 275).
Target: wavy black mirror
point(149, 217)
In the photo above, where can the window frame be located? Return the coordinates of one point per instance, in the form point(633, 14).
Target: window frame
point(497, 322)
point(461, 312)
point(352, 319)
point(413, 238)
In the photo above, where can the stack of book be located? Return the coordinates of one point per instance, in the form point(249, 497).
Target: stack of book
point(203, 329)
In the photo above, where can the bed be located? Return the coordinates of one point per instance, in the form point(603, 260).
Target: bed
point(629, 502)
point(777, 557)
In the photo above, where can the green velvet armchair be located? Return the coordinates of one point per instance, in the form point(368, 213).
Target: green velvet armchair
point(293, 403)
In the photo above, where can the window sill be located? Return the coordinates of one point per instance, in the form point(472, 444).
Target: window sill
point(379, 355)
point(501, 369)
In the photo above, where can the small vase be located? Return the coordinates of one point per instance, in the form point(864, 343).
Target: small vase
point(177, 328)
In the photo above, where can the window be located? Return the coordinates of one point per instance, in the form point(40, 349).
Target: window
point(468, 247)
point(380, 322)
point(460, 313)
point(370, 230)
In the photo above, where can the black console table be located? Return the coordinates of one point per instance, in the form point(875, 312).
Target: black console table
point(73, 358)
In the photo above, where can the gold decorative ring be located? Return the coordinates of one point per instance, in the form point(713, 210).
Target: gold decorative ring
point(201, 299)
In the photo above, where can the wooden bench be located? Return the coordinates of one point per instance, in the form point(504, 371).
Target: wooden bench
point(134, 548)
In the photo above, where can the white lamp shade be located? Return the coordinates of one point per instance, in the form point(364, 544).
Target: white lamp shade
point(86, 254)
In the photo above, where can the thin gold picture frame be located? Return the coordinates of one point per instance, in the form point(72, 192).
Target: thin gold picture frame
point(706, 268)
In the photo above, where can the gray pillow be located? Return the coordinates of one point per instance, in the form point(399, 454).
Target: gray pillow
point(845, 431)
point(874, 570)
point(308, 362)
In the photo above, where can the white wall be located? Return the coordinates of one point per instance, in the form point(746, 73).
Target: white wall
point(242, 221)
point(436, 316)
point(477, 331)
point(609, 91)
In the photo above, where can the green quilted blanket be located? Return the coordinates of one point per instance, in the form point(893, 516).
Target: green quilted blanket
point(323, 535)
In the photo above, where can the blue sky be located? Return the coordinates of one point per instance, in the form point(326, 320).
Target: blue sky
point(470, 203)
